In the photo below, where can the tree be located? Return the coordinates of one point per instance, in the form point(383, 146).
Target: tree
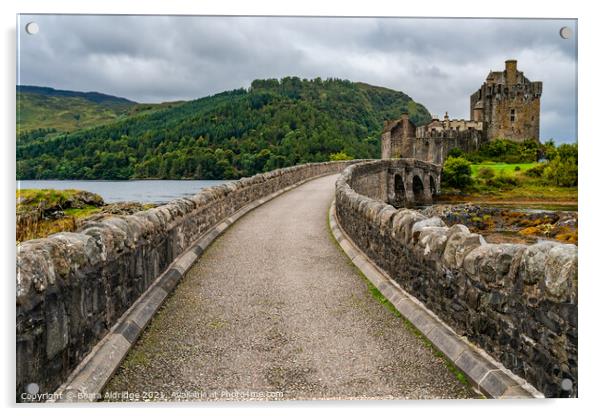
point(456, 173)
point(561, 172)
point(455, 152)
point(340, 156)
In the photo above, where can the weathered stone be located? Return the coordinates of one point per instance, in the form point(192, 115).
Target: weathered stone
point(490, 263)
point(431, 242)
point(429, 222)
point(561, 273)
point(403, 223)
point(57, 328)
point(459, 244)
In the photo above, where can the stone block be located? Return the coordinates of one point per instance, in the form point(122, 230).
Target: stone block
point(496, 383)
point(474, 366)
point(447, 342)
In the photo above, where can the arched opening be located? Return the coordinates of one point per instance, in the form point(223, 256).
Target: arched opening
point(432, 186)
point(399, 191)
point(418, 189)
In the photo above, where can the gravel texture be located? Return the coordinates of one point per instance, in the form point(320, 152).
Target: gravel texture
point(273, 310)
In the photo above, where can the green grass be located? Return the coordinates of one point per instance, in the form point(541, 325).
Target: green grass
point(50, 196)
point(33, 206)
point(81, 212)
point(526, 190)
point(498, 167)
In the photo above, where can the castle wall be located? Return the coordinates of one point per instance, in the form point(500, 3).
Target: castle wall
point(385, 146)
point(526, 118)
point(433, 148)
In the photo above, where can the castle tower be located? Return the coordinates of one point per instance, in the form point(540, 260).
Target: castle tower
point(509, 105)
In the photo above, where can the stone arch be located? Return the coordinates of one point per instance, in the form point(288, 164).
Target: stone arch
point(418, 190)
point(399, 191)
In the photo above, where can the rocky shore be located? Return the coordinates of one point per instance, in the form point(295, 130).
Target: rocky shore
point(510, 225)
point(41, 212)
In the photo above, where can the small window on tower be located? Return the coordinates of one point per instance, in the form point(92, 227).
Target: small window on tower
point(512, 115)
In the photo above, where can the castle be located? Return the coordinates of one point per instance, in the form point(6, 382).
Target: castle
point(506, 106)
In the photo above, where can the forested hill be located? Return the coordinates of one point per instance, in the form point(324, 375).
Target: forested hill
point(275, 123)
point(62, 111)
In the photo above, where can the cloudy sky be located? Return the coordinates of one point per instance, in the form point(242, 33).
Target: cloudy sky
point(438, 62)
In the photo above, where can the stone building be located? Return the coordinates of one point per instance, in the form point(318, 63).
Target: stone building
point(508, 103)
point(506, 106)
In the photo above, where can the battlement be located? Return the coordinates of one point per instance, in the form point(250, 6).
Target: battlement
point(450, 128)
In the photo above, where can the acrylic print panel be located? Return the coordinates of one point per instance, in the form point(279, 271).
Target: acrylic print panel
point(175, 174)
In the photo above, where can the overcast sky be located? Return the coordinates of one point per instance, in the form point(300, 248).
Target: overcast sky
point(438, 62)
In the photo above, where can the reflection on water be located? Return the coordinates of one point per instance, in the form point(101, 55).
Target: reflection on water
point(155, 191)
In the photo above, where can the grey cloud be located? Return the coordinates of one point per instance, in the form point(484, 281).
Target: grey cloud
point(438, 62)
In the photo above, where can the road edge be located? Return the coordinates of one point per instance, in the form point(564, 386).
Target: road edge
point(485, 374)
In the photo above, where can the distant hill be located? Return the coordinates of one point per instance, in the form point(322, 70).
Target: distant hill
point(95, 97)
point(64, 111)
point(275, 123)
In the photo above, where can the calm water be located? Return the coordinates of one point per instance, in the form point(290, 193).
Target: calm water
point(156, 191)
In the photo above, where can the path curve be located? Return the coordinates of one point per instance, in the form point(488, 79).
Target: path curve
point(274, 310)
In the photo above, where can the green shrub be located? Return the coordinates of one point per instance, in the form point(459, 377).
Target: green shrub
point(562, 172)
point(502, 180)
point(456, 173)
point(507, 151)
point(503, 177)
point(340, 156)
point(536, 171)
point(455, 152)
point(485, 173)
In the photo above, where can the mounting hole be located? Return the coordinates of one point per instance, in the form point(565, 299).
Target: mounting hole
point(32, 388)
point(566, 384)
point(32, 28)
point(566, 32)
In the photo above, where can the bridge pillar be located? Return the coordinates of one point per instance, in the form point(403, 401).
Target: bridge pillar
point(428, 191)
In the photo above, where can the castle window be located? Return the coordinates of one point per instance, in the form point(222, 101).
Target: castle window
point(512, 115)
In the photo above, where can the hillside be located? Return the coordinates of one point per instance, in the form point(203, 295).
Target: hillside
point(65, 111)
point(275, 123)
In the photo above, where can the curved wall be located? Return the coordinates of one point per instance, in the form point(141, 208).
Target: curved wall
point(72, 287)
point(518, 302)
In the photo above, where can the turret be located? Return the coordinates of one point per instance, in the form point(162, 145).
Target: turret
point(510, 72)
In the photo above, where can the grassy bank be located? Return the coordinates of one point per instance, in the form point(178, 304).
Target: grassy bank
point(511, 183)
point(42, 212)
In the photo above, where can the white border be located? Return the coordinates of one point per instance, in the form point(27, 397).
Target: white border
point(590, 143)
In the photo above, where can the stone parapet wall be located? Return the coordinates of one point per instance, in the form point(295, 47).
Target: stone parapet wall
point(517, 302)
point(73, 287)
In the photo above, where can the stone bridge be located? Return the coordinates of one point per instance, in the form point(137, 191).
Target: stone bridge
point(263, 302)
point(405, 183)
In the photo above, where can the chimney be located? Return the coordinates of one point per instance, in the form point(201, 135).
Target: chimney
point(510, 72)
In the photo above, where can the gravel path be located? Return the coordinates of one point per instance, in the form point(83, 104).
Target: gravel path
point(273, 310)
